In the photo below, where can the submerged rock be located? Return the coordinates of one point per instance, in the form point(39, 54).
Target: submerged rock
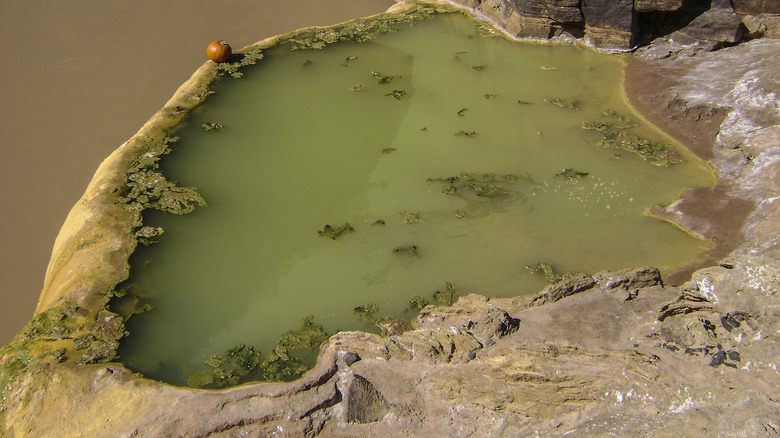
point(570, 173)
point(563, 103)
point(394, 327)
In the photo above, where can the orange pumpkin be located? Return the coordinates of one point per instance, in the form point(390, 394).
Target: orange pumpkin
point(219, 51)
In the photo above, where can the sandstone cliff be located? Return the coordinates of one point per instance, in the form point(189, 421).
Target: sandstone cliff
point(624, 24)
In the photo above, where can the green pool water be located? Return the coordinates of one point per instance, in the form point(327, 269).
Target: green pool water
point(313, 137)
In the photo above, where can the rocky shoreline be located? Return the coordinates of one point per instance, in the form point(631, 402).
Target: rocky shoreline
point(623, 353)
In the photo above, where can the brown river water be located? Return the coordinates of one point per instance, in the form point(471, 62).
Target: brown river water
point(84, 78)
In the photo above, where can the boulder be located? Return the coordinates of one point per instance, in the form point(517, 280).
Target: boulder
point(761, 17)
point(564, 288)
point(610, 23)
point(711, 29)
point(475, 314)
point(610, 14)
point(630, 278)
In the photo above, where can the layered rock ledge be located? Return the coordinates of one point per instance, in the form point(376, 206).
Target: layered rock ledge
point(621, 25)
point(616, 353)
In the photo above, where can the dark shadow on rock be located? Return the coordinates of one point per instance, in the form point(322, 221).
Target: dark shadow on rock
point(654, 23)
point(363, 403)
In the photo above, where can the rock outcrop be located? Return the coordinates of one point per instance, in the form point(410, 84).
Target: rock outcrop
point(761, 17)
point(614, 354)
point(733, 93)
point(624, 24)
point(620, 354)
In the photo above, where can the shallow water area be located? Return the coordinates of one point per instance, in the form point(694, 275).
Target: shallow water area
point(441, 149)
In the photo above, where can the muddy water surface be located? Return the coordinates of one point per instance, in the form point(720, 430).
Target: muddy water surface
point(438, 146)
point(79, 80)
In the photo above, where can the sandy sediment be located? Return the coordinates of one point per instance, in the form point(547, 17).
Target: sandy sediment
point(707, 213)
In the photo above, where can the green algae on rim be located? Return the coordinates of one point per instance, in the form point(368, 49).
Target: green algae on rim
point(130, 172)
point(66, 332)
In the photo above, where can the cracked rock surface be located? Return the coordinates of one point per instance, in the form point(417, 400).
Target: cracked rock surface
point(624, 355)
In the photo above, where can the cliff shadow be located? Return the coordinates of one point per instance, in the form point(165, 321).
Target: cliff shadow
point(655, 24)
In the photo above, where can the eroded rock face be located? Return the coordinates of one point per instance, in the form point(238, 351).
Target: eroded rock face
point(609, 23)
point(713, 27)
point(623, 24)
point(657, 5)
point(761, 17)
point(609, 359)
